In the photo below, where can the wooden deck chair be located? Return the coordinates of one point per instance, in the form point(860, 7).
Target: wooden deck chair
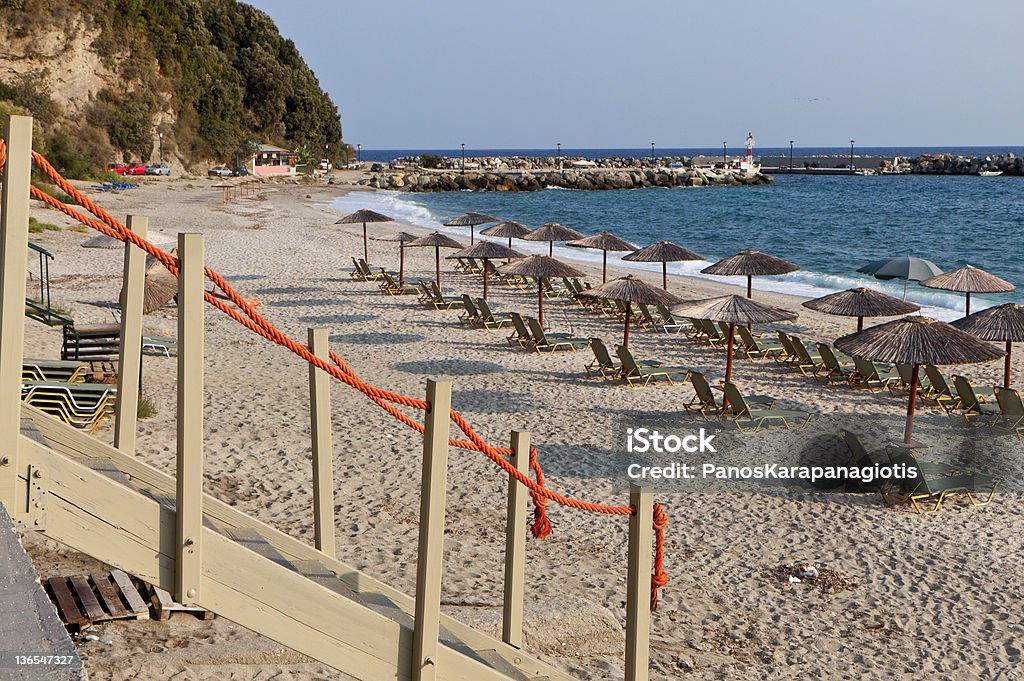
point(391, 287)
point(469, 315)
point(754, 348)
point(832, 370)
point(603, 363)
point(634, 372)
point(807, 363)
point(554, 341)
point(438, 300)
point(1011, 411)
point(367, 271)
point(866, 374)
point(927, 487)
point(703, 402)
point(742, 411)
point(938, 389)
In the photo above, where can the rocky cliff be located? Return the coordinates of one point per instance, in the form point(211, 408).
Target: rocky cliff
point(105, 78)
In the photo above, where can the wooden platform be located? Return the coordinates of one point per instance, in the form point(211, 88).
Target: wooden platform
point(83, 600)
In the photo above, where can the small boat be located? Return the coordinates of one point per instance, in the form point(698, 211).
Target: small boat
point(989, 173)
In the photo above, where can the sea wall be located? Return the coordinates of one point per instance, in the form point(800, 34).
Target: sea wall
point(419, 181)
point(946, 164)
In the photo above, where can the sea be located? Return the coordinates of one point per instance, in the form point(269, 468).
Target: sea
point(828, 225)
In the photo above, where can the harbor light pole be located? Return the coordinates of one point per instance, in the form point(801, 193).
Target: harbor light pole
point(725, 159)
point(790, 155)
point(463, 158)
point(558, 152)
point(161, 147)
point(359, 153)
point(652, 153)
point(851, 156)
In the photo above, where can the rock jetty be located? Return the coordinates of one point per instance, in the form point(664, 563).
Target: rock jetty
point(590, 179)
point(947, 164)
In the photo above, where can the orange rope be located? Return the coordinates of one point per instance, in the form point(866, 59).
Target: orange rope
point(252, 320)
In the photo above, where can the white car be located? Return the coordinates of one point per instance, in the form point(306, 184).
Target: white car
point(158, 169)
point(219, 171)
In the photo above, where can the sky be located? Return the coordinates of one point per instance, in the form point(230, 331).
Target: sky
point(608, 73)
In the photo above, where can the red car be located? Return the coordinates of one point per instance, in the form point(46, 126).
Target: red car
point(136, 169)
point(119, 168)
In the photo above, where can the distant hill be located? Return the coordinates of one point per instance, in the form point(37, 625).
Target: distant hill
point(104, 78)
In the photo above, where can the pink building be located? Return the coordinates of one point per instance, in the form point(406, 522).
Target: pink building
point(272, 160)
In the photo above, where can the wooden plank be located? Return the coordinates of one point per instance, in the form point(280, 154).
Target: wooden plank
point(162, 602)
point(66, 602)
point(130, 594)
point(638, 584)
point(154, 482)
point(323, 458)
point(515, 544)
point(129, 361)
point(93, 609)
point(109, 596)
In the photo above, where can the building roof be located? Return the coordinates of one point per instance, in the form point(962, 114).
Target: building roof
point(270, 148)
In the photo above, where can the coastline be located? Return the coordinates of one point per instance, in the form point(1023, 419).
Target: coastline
point(721, 615)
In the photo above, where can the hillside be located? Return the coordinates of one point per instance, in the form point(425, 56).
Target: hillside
point(104, 78)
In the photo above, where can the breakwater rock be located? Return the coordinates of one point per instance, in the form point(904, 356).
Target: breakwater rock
point(421, 181)
point(947, 164)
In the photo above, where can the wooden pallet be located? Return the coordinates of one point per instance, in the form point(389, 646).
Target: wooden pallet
point(84, 600)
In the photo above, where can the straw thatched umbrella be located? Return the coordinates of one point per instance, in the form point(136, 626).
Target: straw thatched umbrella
point(402, 238)
point(663, 252)
point(471, 220)
point(916, 341)
point(438, 241)
point(507, 230)
point(861, 303)
point(540, 267)
point(552, 232)
point(629, 290)
point(364, 216)
point(750, 264)
point(732, 310)
point(485, 250)
point(160, 285)
point(1000, 323)
point(605, 241)
point(969, 280)
point(905, 267)
point(104, 241)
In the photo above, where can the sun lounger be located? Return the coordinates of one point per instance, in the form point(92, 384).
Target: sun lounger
point(806, 362)
point(1011, 411)
point(521, 336)
point(969, 403)
point(551, 342)
point(930, 487)
point(741, 411)
point(938, 389)
point(604, 364)
point(437, 299)
point(52, 370)
point(861, 458)
point(488, 318)
point(470, 315)
point(644, 372)
point(82, 405)
point(705, 403)
point(868, 375)
point(831, 369)
point(669, 323)
point(391, 287)
point(755, 348)
point(159, 344)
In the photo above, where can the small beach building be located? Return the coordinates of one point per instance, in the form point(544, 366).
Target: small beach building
point(274, 160)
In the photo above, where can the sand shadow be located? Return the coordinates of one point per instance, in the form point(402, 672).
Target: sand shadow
point(450, 367)
point(382, 338)
point(306, 302)
point(330, 319)
point(495, 401)
point(578, 461)
point(287, 290)
point(244, 277)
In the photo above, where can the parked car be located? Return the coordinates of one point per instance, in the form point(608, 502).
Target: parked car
point(219, 171)
point(119, 168)
point(325, 165)
point(158, 169)
point(376, 168)
point(136, 169)
point(240, 172)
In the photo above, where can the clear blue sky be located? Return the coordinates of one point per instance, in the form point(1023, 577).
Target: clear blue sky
point(603, 73)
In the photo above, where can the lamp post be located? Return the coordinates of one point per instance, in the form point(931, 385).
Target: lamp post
point(851, 156)
point(652, 153)
point(359, 153)
point(725, 157)
point(463, 158)
point(790, 155)
point(558, 152)
point(161, 147)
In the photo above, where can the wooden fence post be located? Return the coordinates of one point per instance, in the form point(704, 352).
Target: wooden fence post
point(129, 364)
point(638, 584)
point(189, 514)
point(515, 543)
point(13, 266)
point(430, 557)
point(323, 457)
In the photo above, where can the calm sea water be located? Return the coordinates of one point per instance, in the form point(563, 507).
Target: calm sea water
point(829, 225)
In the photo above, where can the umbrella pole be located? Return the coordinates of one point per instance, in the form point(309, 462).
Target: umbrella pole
point(551, 249)
point(508, 260)
point(540, 301)
point(437, 266)
point(860, 324)
point(1006, 365)
point(472, 234)
point(366, 247)
point(905, 282)
point(401, 263)
point(604, 268)
point(728, 365)
point(750, 286)
point(909, 431)
point(625, 337)
point(664, 274)
point(485, 278)
point(967, 313)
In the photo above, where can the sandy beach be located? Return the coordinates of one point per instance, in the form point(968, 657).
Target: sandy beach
point(917, 595)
